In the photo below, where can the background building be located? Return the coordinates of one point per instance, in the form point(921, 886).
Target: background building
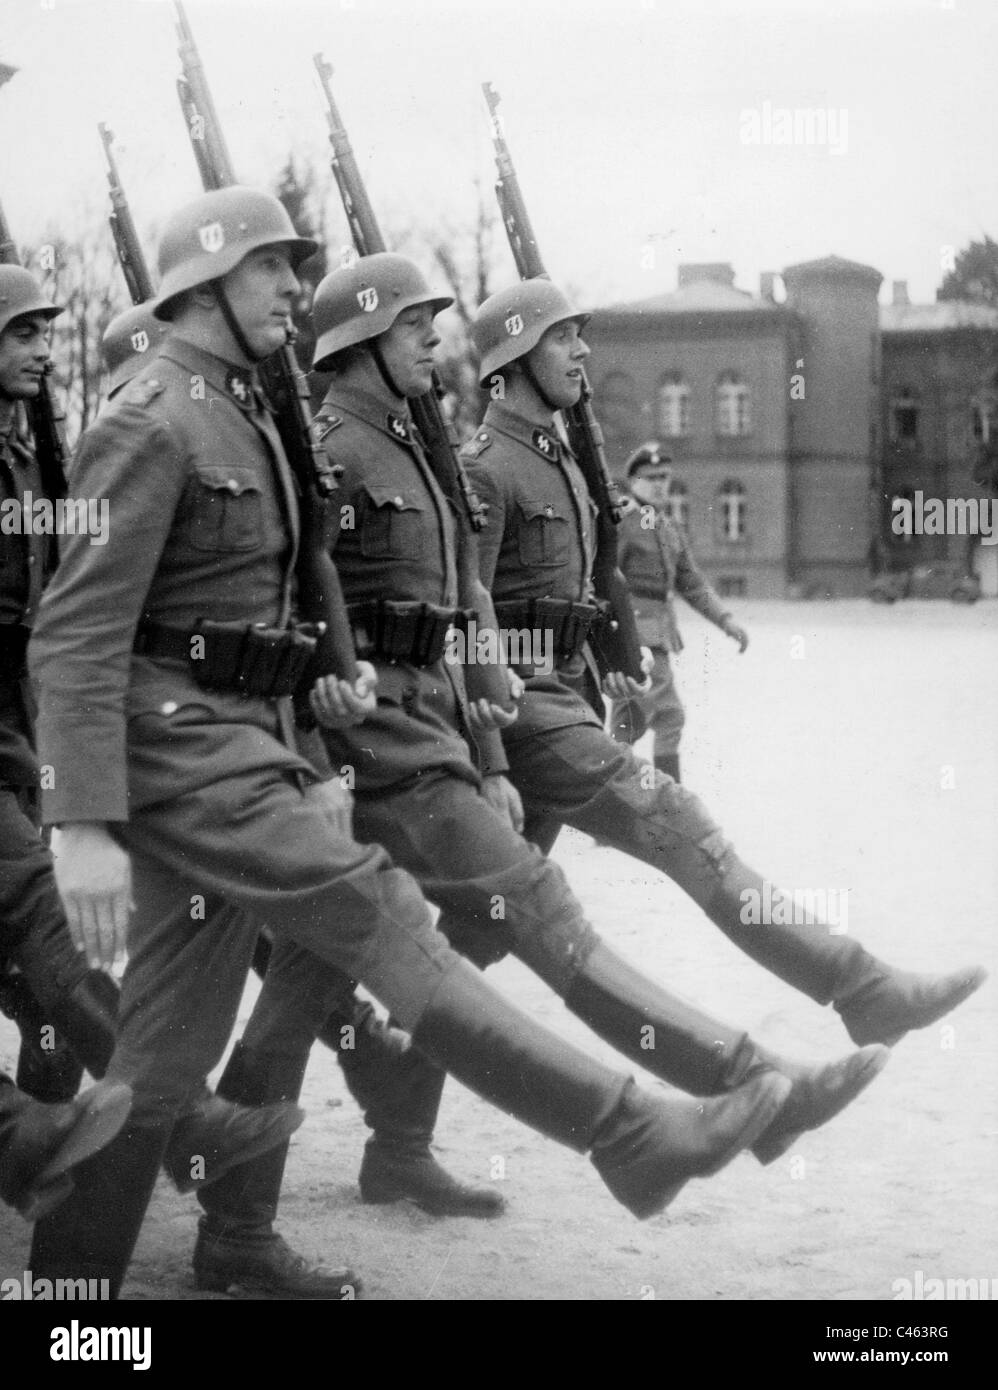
point(794, 422)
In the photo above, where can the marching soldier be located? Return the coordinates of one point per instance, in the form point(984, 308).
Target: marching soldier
point(165, 660)
point(65, 1011)
point(417, 789)
point(395, 1086)
point(39, 1142)
point(657, 563)
point(537, 557)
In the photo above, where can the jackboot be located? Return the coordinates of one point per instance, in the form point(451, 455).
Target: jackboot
point(705, 1057)
point(51, 1074)
point(644, 1147)
point(215, 1135)
point(39, 1143)
point(877, 1003)
point(236, 1244)
point(93, 1233)
point(399, 1092)
point(79, 1003)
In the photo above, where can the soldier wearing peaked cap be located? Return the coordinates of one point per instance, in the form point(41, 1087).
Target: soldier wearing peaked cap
point(178, 784)
point(657, 563)
point(537, 558)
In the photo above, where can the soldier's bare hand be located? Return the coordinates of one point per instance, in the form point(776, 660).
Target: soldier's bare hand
point(620, 687)
point(94, 877)
point(503, 797)
point(517, 685)
point(736, 633)
point(337, 704)
point(484, 717)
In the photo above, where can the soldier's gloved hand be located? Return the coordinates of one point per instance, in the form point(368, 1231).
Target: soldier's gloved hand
point(735, 632)
point(337, 704)
point(503, 797)
point(620, 687)
point(94, 877)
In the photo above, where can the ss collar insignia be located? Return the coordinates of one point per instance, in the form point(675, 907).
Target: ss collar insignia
point(240, 387)
point(545, 444)
point(398, 425)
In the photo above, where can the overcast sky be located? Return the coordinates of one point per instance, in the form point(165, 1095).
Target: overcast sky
point(630, 122)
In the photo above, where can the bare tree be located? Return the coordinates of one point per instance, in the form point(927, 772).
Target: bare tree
point(82, 275)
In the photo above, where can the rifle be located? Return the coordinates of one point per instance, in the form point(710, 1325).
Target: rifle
point(46, 417)
point(320, 597)
point(616, 645)
point(483, 679)
point(126, 240)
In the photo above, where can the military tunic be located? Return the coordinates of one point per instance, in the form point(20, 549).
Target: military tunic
point(417, 790)
point(657, 563)
point(227, 826)
point(395, 540)
point(539, 541)
point(28, 895)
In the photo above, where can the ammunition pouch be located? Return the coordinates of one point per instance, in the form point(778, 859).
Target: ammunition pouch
point(246, 658)
point(571, 624)
point(410, 631)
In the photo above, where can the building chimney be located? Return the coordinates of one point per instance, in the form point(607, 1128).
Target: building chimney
point(719, 272)
point(899, 293)
point(767, 286)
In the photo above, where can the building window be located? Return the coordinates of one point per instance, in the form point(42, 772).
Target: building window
point(673, 401)
point(678, 506)
point(732, 586)
point(733, 507)
point(734, 416)
point(904, 416)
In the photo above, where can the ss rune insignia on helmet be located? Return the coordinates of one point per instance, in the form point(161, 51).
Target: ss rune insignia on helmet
point(514, 325)
point(211, 236)
point(140, 340)
point(368, 299)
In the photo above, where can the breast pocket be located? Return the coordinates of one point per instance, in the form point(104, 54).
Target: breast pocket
point(393, 525)
point(542, 533)
point(224, 509)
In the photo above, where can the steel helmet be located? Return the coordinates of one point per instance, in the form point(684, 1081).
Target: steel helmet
point(130, 341)
point(510, 323)
point(209, 236)
point(20, 294)
point(361, 301)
